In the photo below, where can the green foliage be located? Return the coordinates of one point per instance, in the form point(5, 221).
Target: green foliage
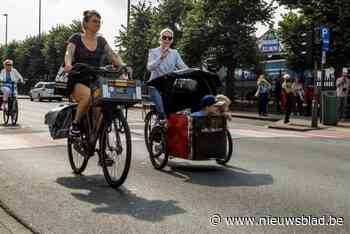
point(223, 31)
point(39, 59)
point(331, 13)
point(133, 43)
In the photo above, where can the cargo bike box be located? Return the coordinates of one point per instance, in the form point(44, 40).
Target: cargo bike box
point(197, 138)
point(186, 137)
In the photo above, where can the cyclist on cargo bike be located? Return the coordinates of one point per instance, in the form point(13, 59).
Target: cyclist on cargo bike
point(186, 136)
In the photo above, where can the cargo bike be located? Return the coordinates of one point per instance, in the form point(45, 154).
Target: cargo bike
point(111, 96)
point(183, 136)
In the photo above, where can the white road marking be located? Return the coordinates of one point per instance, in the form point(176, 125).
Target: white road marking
point(34, 140)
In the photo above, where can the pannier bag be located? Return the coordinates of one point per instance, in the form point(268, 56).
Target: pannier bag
point(209, 137)
point(59, 120)
point(184, 86)
point(61, 82)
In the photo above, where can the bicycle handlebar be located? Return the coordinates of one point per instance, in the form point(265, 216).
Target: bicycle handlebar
point(80, 68)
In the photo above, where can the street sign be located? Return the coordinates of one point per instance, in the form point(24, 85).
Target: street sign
point(325, 38)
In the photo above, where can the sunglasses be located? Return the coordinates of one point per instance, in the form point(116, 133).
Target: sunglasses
point(8, 64)
point(167, 38)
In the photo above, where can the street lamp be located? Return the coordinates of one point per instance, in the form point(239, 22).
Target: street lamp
point(6, 15)
point(39, 19)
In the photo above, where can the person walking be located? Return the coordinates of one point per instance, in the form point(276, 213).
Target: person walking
point(278, 94)
point(289, 94)
point(343, 85)
point(262, 93)
point(298, 89)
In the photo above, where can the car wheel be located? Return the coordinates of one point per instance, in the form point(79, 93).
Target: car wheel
point(31, 98)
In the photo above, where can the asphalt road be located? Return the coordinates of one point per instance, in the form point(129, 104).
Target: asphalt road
point(275, 175)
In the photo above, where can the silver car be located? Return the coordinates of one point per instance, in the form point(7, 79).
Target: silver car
point(44, 90)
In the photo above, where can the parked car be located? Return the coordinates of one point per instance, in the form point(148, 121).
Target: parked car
point(44, 90)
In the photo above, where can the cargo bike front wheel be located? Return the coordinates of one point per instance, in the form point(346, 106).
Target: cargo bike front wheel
point(157, 147)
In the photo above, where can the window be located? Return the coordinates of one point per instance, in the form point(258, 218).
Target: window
point(50, 86)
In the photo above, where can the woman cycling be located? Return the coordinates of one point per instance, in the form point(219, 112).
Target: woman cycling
point(163, 60)
point(8, 77)
point(91, 48)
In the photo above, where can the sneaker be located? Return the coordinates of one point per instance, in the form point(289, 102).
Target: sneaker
point(74, 129)
point(108, 162)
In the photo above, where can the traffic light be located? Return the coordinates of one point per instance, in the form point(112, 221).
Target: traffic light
point(310, 44)
point(306, 45)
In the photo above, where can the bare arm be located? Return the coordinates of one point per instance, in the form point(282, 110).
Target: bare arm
point(112, 57)
point(69, 56)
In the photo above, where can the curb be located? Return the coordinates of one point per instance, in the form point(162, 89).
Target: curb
point(29, 227)
point(272, 119)
point(290, 128)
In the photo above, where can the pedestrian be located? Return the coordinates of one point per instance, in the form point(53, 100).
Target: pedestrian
point(343, 86)
point(262, 93)
point(288, 93)
point(309, 95)
point(163, 60)
point(298, 90)
point(9, 76)
point(278, 94)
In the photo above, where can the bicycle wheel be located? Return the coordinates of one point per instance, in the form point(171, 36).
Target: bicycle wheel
point(6, 116)
point(150, 119)
point(14, 112)
point(157, 147)
point(228, 151)
point(115, 146)
point(76, 154)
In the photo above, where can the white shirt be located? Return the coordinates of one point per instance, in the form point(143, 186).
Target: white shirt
point(170, 63)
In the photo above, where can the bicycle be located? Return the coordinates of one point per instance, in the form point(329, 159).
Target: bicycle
point(111, 131)
point(12, 107)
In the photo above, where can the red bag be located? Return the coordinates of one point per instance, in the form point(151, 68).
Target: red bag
point(178, 135)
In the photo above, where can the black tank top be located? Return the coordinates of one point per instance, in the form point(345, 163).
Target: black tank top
point(84, 55)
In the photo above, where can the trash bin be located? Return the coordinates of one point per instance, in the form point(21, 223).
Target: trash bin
point(329, 108)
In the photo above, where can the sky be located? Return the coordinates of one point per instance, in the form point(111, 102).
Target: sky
point(23, 16)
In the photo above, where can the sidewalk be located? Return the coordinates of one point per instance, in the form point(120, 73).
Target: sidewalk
point(297, 123)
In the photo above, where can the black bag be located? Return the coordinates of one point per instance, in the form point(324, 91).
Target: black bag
point(61, 82)
point(59, 120)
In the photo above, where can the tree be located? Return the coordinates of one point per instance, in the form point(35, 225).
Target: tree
point(224, 30)
point(333, 14)
point(133, 43)
point(291, 29)
point(55, 45)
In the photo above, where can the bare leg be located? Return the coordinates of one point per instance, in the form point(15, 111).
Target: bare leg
point(81, 94)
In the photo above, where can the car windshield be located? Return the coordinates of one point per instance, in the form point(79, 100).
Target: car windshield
point(50, 86)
